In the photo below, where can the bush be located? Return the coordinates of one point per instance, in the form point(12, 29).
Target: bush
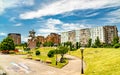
point(37, 53)
point(116, 45)
point(51, 53)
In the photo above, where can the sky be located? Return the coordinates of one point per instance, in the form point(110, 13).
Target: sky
point(46, 16)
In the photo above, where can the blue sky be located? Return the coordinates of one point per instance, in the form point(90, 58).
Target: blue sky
point(46, 16)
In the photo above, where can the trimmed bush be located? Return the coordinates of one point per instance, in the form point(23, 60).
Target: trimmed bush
point(37, 53)
point(116, 45)
point(51, 53)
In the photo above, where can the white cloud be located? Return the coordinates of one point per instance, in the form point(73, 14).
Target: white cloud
point(49, 26)
point(24, 38)
point(93, 14)
point(2, 34)
point(112, 17)
point(57, 26)
point(18, 24)
point(4, 4)
point(62, 6)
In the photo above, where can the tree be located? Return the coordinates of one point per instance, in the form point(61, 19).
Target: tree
point(38, 44)
point(77, 45)
point(115, 41)
point(48, 44)
point(51, 53)
point(25, 46)
point(97, 42)
point(62, 50)
point(89, 42)
point(37, 53)
point(7, 44)
point(116, 45)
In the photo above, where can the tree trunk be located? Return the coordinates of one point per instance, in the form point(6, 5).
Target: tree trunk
point(62, 59)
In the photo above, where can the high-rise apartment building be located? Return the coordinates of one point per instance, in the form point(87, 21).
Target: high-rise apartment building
point(16, 38)
point(97, 32)
point(110, 32)
point(40, 39)
point(53, 37)
point(84, 36)
point(64, 37)
point(104, 33)
point(72, 36)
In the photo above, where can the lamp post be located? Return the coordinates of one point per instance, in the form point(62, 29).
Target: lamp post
point(56, 54)
point(82, 49)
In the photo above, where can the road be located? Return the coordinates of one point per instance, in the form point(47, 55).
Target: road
point(16, 65)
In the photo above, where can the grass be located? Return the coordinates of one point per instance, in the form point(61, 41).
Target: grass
point(100, 61)
point(43, 57)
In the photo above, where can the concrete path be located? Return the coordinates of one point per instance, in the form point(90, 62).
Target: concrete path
point(15, 65)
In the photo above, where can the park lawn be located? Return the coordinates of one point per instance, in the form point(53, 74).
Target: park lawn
point(100, 61)
point(43, 57)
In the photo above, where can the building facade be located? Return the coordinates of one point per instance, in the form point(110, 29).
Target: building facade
point(84, 36)
point(104, 33)
point(40, 39)
point(53, 37)
point(110, 32)
point(97, 32)
point(64, 37)
point(16, 38)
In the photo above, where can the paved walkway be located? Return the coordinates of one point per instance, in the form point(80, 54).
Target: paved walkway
point(15, 65)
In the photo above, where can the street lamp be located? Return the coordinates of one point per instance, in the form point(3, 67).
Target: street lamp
point(56, 53)
point(82, 49)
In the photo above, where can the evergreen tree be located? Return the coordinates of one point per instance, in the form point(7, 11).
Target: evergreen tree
point(89, 42)
point(115, 41)
point(97, 42)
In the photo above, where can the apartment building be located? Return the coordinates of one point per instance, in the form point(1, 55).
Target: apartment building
point(84, 36)
point(105, 34)
point(110, 32)
point(16, 37)
point(53, 37)
point(97, 32)
point(40, 39)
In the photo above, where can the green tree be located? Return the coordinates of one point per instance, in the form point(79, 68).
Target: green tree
point(115, 41)
point(7, 44)
point(38, 44)
point(48, 44)
point(51, 53)
point(37, 52)
point(62, 50)
point(25, 46)
point(89, 42)
point(97, 42)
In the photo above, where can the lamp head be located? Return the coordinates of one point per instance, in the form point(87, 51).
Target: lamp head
point(82, 48)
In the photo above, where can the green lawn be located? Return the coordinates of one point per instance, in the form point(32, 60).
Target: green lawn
point(100, 61)
point(43, 57)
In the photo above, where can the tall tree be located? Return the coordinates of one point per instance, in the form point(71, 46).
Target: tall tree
point(97, 42)
point(62, 50)
point(115, 40)
point(38, 44)
point(7, 44)
point(89, 42)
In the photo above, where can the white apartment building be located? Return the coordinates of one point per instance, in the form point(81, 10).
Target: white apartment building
point(97, 32)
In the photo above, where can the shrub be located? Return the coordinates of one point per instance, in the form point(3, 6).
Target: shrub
point(51, 53)
point(116, 45)
point(37, 53)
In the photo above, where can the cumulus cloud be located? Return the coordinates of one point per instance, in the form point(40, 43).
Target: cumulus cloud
point(62, 6)
point(2, 34)
point(57, 26)
point(5, 4)
point(24, 38)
